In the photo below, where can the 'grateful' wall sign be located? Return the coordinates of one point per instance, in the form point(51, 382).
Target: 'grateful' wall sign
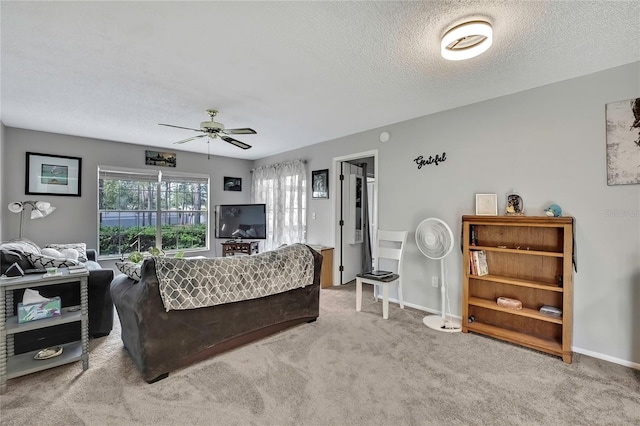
point(421, 161)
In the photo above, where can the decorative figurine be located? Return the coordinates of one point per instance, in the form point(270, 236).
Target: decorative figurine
point(515, 205)
point(553, 210)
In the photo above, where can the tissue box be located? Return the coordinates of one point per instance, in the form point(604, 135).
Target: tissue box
point(41, 310)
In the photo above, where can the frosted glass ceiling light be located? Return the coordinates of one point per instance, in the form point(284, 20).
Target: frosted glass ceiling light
point(466, 40)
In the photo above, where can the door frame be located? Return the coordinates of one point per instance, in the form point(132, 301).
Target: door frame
point(337, 199)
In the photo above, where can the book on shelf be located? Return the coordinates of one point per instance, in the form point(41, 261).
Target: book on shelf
point(472, 263)
point(474, 235)
point(478, 263)
point(483, 268)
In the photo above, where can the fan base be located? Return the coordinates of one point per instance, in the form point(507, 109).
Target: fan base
point(435, 322)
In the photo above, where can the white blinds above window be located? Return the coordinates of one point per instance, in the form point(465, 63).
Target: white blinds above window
point(117, 173)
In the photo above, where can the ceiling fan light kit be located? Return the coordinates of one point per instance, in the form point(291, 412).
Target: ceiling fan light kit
point(466, 40)
point(214, 129)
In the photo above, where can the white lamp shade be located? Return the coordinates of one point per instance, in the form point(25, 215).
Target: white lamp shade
point(36, 214)
point(15, 207)
point(42, 205)
point(43, 209)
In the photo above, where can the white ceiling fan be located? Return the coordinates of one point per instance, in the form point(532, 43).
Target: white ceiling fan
point(212, 129)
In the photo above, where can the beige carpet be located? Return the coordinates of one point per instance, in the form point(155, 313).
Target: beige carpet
point(347, 368)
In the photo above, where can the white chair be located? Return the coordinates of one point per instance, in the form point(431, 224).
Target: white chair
point(389, 245)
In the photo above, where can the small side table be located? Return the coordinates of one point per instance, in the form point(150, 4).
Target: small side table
point(12, 365)
point(326, 274)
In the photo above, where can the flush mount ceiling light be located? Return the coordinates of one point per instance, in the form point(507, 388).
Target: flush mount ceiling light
point(466, 40)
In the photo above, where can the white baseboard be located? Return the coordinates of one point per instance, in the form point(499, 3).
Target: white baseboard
point(420, 308)
point(623, 362)
point(598, 355)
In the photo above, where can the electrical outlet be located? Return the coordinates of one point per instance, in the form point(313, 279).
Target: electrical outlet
point(434, 281)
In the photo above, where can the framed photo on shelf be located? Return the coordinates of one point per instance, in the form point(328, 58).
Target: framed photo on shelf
point(48, 174)
point(320, 183)
point(486, 204)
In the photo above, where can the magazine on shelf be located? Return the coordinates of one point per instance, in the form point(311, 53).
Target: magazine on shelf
point(76, 267)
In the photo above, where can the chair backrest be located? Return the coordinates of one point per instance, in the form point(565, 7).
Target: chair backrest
point(390, 245)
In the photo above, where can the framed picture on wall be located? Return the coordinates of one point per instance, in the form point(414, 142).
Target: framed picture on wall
point(320, 183)
point(232, 184)
point(157, 158)
point(48, 174)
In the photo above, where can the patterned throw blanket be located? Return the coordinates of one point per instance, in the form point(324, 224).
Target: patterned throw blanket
point(197, 283)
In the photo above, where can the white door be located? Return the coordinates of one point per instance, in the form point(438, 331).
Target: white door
point(345, 255)
point(352, 222)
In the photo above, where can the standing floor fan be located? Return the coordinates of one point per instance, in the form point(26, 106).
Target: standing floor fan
point(435, 240)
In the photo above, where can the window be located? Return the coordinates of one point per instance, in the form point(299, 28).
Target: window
point(282, 187)
point(141, 209)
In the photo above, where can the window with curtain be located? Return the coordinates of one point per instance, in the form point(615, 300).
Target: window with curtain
point(283, 188)
point(141, 209)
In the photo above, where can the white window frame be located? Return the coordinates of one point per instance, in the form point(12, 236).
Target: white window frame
point(158, 176)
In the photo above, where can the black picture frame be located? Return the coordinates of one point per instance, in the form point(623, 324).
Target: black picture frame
point(159, 158)
point(49, 174)
point(320, 183)
point(232, 184)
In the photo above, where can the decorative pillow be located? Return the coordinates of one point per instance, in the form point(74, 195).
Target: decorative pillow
point(81, 247)
point(130, 269)
point(67, 253)
point(8, 258)
point(42, 261)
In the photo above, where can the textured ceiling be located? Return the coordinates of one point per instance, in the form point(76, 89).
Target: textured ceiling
point(299, 73)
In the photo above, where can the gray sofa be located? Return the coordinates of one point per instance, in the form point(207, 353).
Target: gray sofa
point(161, 341)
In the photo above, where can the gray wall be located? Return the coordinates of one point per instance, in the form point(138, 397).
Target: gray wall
point(548, 144)
point(75, 219)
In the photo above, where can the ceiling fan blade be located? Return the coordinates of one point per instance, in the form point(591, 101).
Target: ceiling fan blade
point(243, 131)
point(179, 127)
point(235, 142)
point(190, 139)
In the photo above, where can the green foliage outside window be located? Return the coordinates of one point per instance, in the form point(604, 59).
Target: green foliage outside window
point(116, 239)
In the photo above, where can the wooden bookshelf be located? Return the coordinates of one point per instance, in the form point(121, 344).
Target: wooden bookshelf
point(529, 259)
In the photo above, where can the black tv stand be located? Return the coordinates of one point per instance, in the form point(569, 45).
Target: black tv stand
point(233, 248)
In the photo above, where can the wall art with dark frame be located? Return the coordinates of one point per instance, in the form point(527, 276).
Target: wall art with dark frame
point(157, 158)
point(48, 174)
point(320, 183)
point(232, 184)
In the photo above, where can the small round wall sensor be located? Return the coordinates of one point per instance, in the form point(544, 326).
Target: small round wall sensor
point(384, 136)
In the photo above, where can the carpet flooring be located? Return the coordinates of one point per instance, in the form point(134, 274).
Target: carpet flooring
point(347, 368)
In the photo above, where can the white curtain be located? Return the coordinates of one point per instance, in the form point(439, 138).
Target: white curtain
point(283, 188)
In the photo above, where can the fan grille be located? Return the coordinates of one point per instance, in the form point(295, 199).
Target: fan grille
point(434, 238)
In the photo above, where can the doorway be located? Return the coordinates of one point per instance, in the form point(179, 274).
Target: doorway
point(348, 251)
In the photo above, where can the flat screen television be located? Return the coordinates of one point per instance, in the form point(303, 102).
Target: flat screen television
point(241, 221)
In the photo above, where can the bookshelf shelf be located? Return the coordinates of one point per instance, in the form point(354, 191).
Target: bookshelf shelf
point(529, 259)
